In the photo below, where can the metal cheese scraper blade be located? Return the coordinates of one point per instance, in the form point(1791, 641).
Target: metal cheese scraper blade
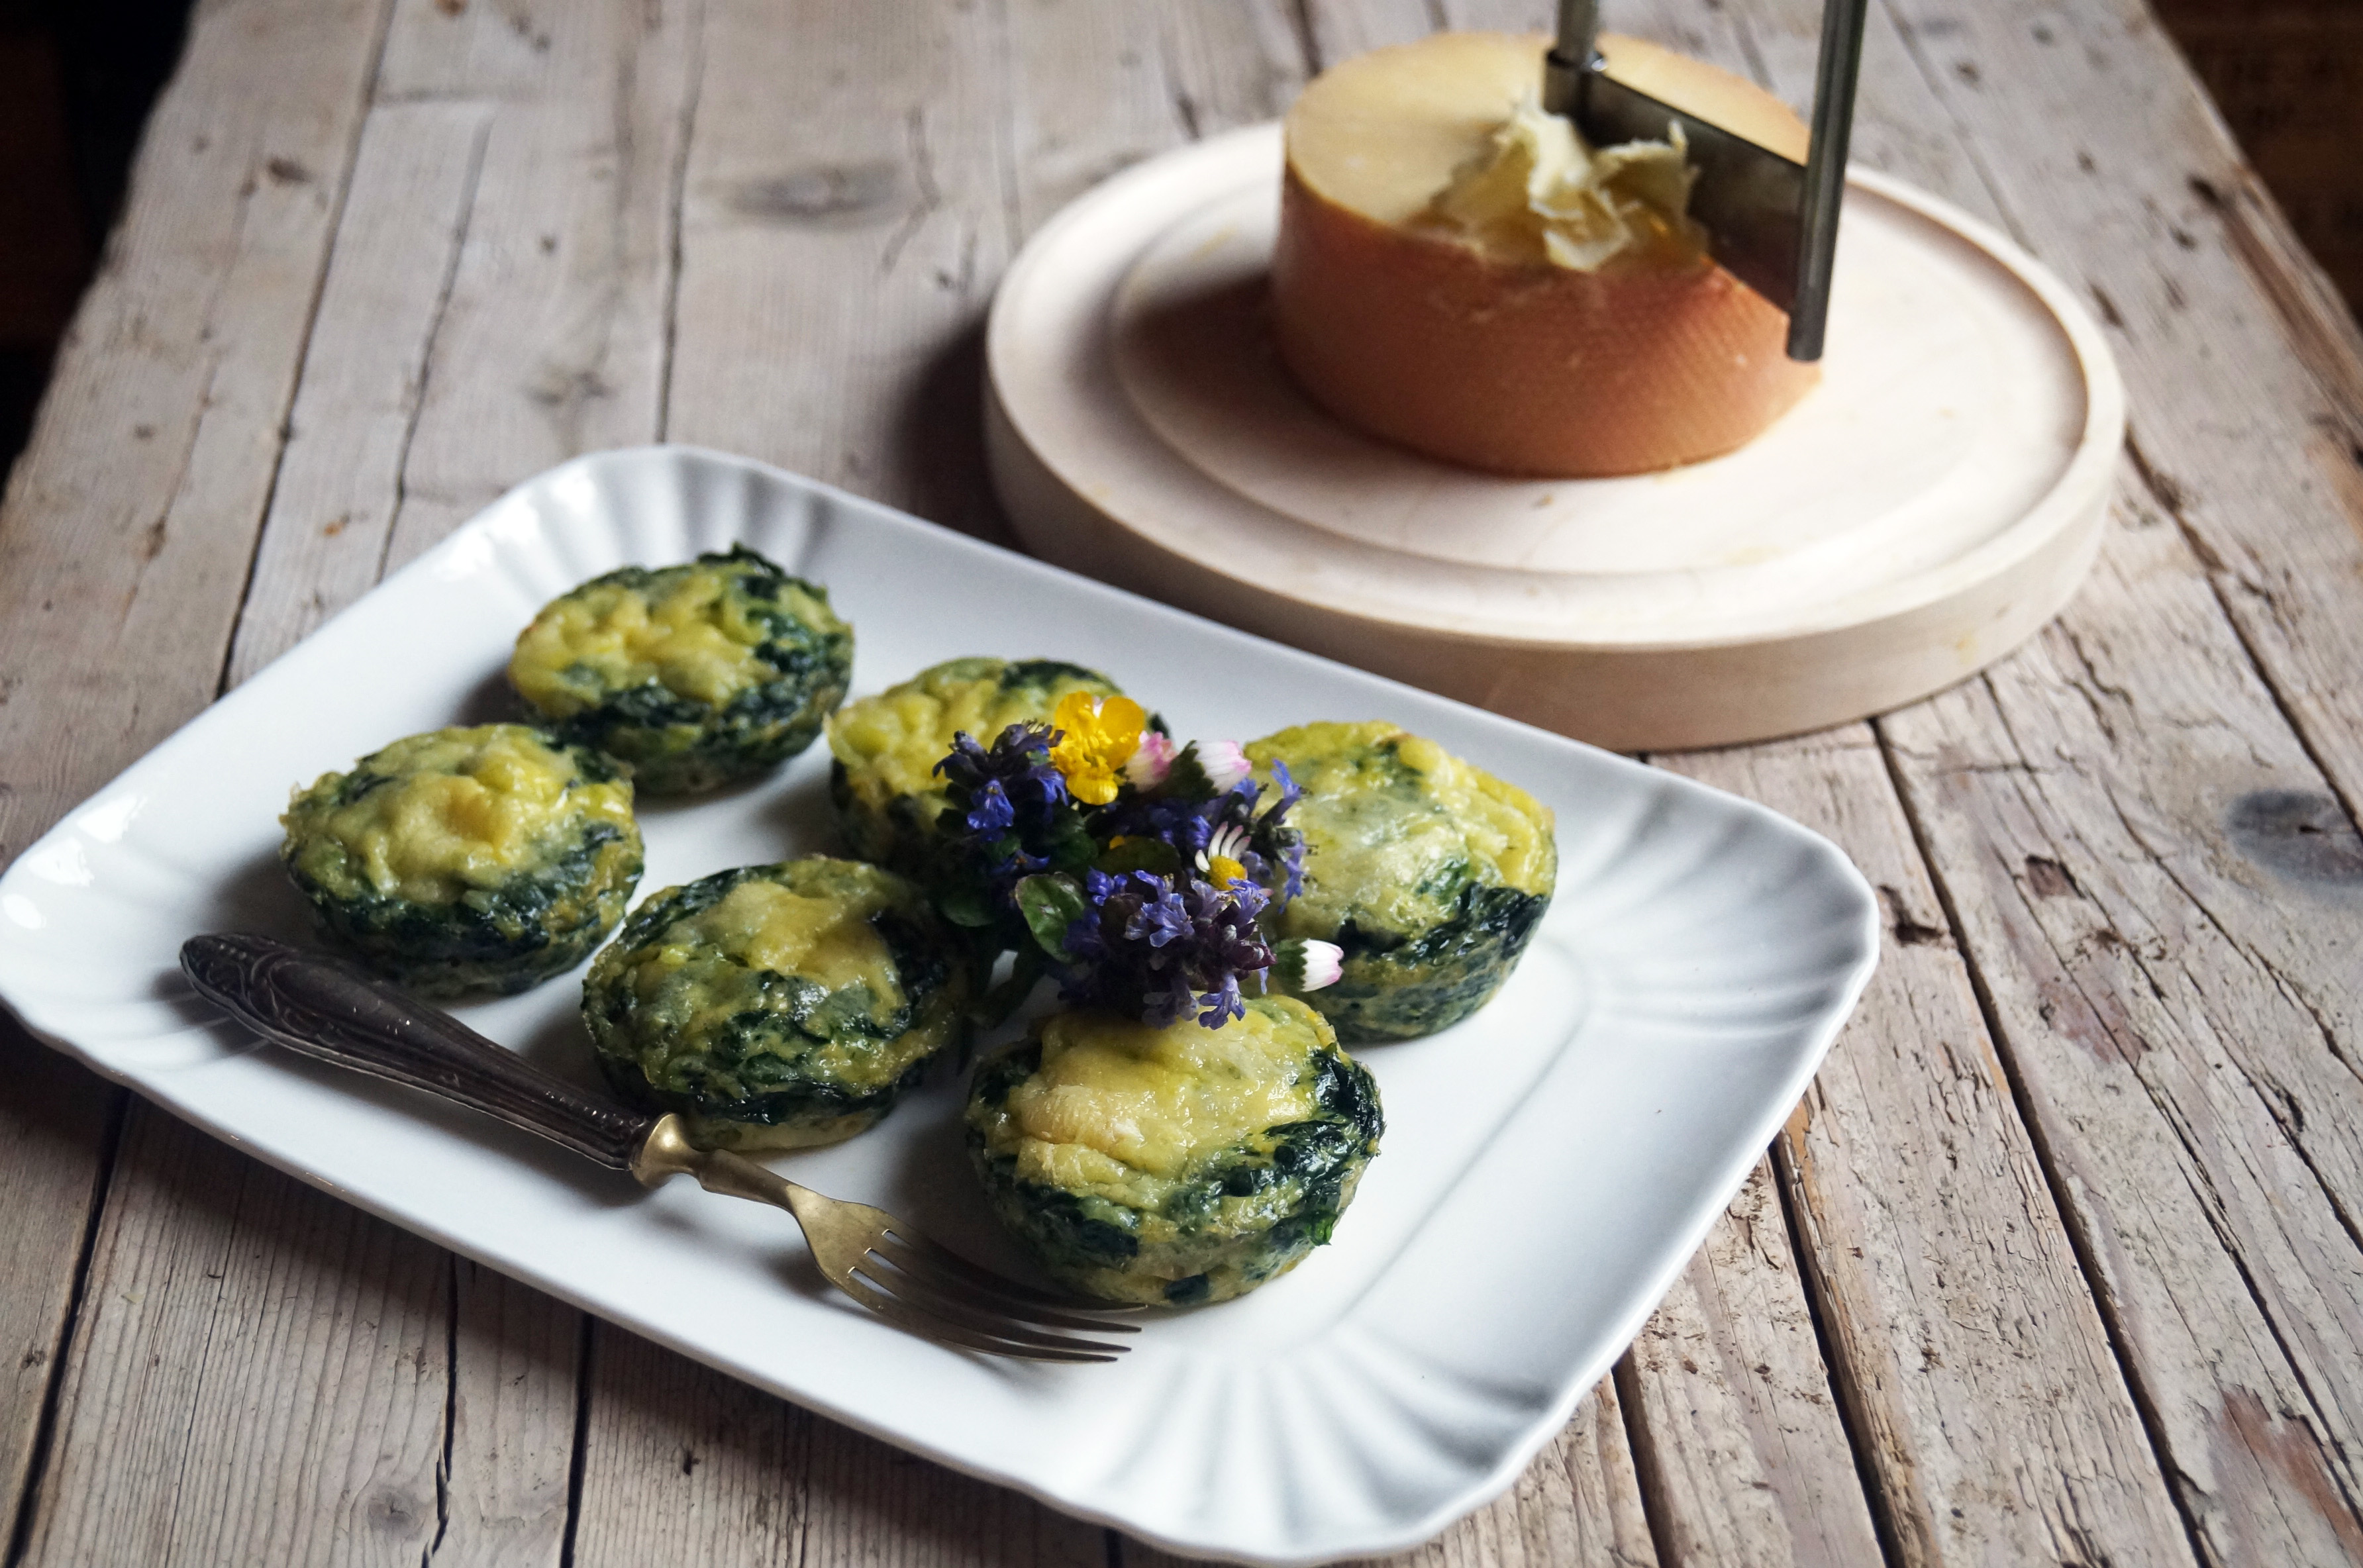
point(1771, 222)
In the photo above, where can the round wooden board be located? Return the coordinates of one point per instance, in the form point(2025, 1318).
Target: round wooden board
point(1924, 511)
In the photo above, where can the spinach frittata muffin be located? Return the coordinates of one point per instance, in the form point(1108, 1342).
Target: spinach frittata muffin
point(777, 1007)
point(695, 674)
point(468, 859)
point(1178, 1165)
point(886, 747)
point(1431, 874)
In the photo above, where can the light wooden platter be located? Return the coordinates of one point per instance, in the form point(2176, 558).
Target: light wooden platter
point(1927, 508)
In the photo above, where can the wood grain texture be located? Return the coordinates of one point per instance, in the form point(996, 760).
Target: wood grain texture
point(845, 155)
point(2248, 1467)
point(54, 1116)
point(160, 433)
point(131, 516)
point(1976, 1370)
point(509, 1445)
point(1742, 1453)
point(682, 1464)
point(2253, 449)
point(487, 176)
point(498, 296)
point(341, 479)
point(212, 1273)
point(2174, 905)
point(556, 331)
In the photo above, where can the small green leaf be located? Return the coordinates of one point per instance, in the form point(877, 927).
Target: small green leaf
point(964, 906)
point(1187, 780)
point(1051, 904)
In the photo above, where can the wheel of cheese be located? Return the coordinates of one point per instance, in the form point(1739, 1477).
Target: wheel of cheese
point(1420, 336)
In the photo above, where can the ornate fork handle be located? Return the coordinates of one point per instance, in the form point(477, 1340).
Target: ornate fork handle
point(322, 1006)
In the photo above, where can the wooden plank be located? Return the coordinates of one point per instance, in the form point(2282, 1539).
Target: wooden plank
point(497, 305)
point(509, 1444)
point(842, 156)
point(2246, 384)
point(2243, 1455)
point(1743, 1456)
point(2120, 817)
point(549, 339)
point(482, 115)
point(129, 518)
point(341, 479)
point(212, 1272)
point(160, 429)
point(1976, 1374)
point(682, 1465)
point(54, 1117)
point(557, 333)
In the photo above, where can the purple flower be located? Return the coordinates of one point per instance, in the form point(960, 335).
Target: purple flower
point(1160, 920)
point(1222, 1003)
point(990, 813)
point(1166, 947)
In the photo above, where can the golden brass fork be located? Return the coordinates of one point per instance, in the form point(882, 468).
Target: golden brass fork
point(331, 1011)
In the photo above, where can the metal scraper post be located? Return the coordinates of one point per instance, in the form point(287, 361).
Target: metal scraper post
point(1774, 224)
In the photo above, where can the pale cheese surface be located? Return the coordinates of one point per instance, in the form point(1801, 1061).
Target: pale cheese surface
point(464, 809)
point(1115, 1098)
point(694, 638)
point(827, 938)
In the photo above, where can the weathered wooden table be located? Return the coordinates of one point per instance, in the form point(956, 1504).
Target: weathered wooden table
point(2058, 1262)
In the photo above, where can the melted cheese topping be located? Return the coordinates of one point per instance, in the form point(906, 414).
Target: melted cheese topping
point(1381, 835)
point(1115, 1097)
point(692, 636)
point(1537, 194)
point(890, 743)
point(466, 808)
point(827, 939)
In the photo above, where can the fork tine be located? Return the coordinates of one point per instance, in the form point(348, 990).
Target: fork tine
point(952, 1307)
point(954, 1297)
point(930, 1265)
point(929, 1326)
point(976, 1274)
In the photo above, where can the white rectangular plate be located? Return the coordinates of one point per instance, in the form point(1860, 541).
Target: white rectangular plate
point(1547, 1166)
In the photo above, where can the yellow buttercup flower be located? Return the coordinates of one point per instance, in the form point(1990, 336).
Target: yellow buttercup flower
point(1099, 736)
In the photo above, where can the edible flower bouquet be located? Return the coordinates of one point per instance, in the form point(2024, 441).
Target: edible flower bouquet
point(1134, 871)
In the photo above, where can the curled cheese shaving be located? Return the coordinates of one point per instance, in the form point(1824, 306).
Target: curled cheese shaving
point(1537, 194)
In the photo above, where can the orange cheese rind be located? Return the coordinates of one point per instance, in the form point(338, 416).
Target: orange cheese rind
point(1445, 344)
